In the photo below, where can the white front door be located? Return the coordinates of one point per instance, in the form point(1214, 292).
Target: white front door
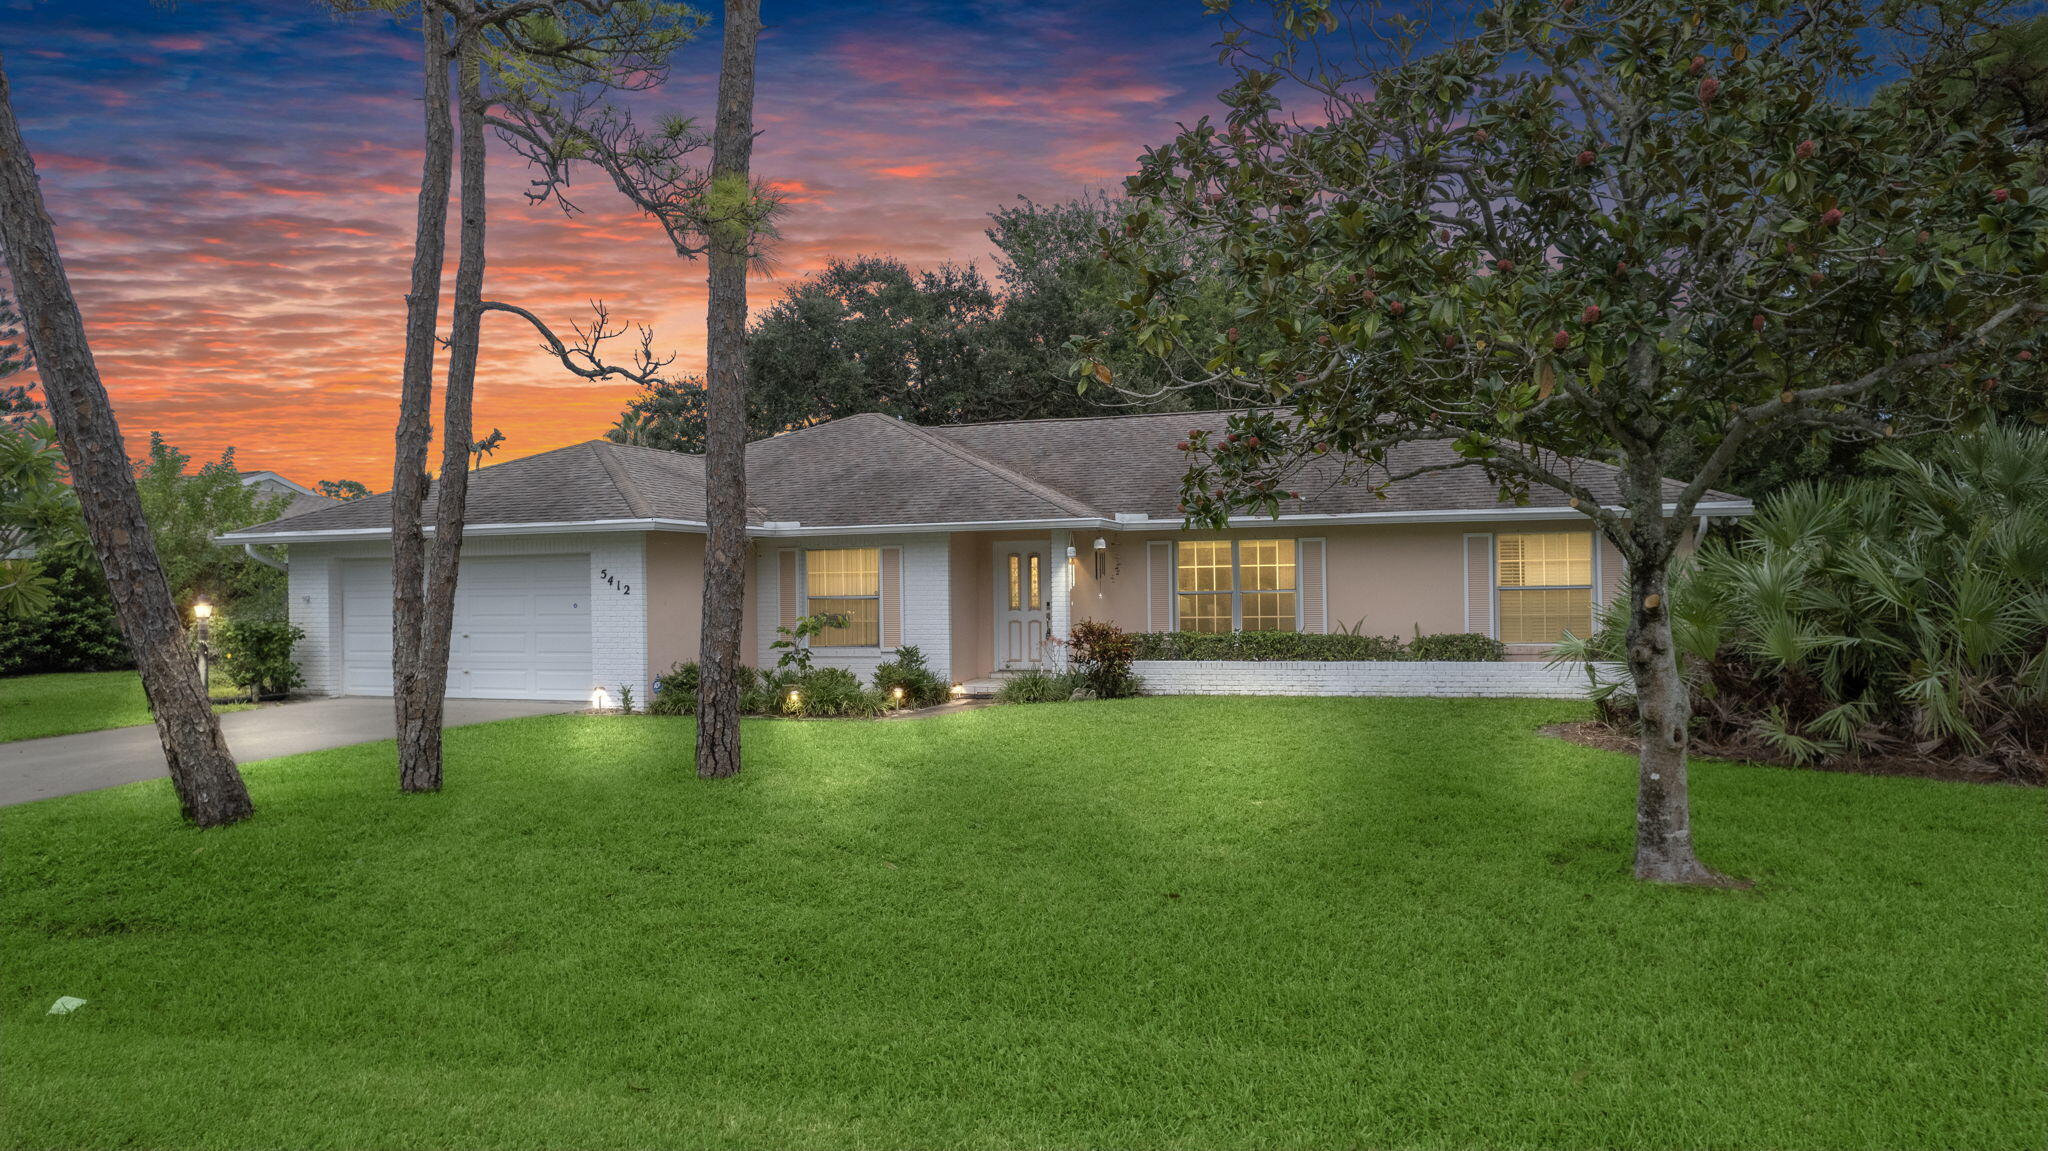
point(1023, 581)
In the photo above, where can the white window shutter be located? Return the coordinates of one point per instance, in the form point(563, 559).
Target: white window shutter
point(891, 571)
point(1613, 572)
point(1311, 579)
point(1479, 583)
point(787, 579)
point(1159, 586)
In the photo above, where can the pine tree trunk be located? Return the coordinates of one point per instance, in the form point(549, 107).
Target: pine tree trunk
point(414, 695)
point(420, 760)
point(1664, 849)
point(725, 467)
point(210, 789)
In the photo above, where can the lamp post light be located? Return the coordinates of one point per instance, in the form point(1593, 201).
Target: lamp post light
point(202, 614)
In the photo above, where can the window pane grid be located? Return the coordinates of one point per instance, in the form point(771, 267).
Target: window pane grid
point(1266, 565)
point(1207, 612)
point(1224, 586)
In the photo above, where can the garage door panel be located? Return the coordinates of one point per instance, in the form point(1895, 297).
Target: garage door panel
point(522, 628)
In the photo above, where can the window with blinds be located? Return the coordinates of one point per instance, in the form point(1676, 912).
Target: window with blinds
point(845, 582)
point(1545, 585)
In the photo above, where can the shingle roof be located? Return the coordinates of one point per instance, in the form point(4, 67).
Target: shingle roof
point(1131, 464)
point(594, 480)
point(873, 469)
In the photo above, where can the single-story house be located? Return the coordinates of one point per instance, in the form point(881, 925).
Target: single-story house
point(582, 566)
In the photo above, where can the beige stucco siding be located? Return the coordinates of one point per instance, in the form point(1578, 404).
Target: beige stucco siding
point(1396, 578)
point(972, 593)
point(675, 598)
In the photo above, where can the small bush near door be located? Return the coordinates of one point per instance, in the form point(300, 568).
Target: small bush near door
point(906, 671)
point(1102, 653)
point(1039, 687)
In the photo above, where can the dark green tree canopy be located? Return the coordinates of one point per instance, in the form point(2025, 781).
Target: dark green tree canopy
point(947, 345)
point(1628, 230)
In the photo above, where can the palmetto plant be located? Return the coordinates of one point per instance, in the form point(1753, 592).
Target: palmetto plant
point(1905, 615)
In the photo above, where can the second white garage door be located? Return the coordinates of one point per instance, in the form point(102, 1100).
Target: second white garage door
point(522, 628)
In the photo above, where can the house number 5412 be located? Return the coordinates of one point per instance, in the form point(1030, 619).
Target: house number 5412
point(606, 575)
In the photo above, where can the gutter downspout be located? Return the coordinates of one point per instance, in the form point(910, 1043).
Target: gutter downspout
point(266, 561)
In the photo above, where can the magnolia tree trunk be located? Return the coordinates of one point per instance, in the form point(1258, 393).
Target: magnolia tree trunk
point(1664, 850)
point(210, 790)
point(725, 465)
point(419, 756)
point(414, 695)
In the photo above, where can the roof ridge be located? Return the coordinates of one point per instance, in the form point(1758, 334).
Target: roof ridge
point(635, 503)
point(1038, 488)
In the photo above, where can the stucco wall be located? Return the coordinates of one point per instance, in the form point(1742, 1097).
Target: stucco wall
point(1396, 578)
point(972, 576)
point(618, 622)
point(675, 599)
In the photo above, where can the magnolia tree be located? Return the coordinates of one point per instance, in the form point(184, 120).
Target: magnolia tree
point(1630, 231)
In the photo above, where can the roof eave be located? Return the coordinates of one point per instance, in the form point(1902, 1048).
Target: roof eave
point(1730, 508)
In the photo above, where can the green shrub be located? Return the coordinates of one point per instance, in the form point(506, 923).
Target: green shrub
point(1457, 646)
point(256, 655)
point(675, 691)
point(1039, 687)
point(832, 693)
point(907, 670)
point(1102, 653)
point(77, 633)
point(1900, 616)
point(1264, 645)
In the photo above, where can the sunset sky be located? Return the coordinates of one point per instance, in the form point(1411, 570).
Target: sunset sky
point(234, 187)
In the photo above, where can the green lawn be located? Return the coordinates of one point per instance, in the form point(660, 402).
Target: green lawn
point(33, 706)
point(1156, 923)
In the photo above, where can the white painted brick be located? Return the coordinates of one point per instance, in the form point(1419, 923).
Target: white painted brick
point(1455, 680)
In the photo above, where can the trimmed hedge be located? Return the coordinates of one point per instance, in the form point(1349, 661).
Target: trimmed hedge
point(1276, 646)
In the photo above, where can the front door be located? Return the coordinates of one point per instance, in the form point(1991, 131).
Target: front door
point(1023, 581)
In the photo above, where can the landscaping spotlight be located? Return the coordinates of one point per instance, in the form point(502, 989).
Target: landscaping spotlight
point(896, 693)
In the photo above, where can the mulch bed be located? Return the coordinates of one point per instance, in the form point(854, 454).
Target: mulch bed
point(1591, 733)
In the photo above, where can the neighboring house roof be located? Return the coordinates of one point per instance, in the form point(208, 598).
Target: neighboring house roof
point(304, 499)
point(876, 471)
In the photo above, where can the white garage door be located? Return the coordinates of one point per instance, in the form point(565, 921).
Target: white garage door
point(522, 628)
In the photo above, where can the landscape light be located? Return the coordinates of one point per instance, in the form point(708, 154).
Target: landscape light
point(794, 698)
point(600, 699)
point(201, 609)
point(896, 693)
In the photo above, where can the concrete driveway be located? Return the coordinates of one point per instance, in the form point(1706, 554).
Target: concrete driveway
point(63, 764)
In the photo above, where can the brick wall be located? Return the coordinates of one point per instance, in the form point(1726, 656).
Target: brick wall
point(1235, 677)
